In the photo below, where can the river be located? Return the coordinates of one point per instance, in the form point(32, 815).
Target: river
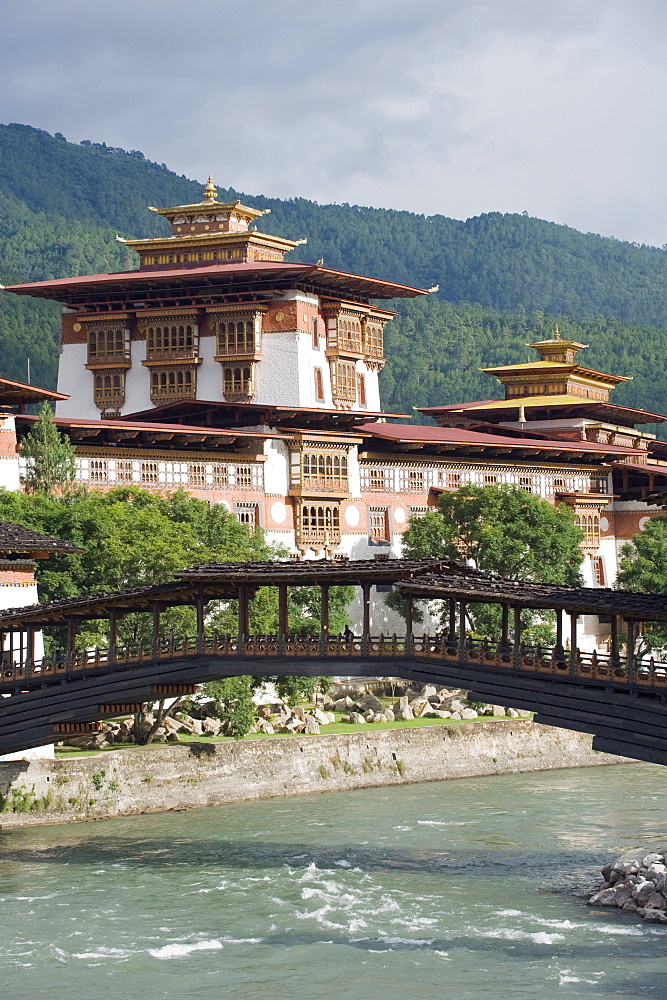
point(459, 889)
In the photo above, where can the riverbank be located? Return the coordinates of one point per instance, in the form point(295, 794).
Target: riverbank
point(187, 776)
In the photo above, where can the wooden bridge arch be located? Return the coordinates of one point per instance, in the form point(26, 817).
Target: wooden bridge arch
point(619, 698)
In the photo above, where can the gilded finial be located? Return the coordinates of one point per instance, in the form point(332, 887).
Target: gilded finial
point(210, 193)
point(556, 332)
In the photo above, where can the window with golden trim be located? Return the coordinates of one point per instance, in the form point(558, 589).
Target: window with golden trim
point(373, 339)
point(236, 336)
point(415, 480)
point(197, 474)
point(124, 470)
point(590, 525)
point(377, 479)
point(324, 469)
point(244, 475)
point(344, 381)
point(237, 381)
point(348, 329)
point(171, 340)
point(598, 571)
point(319, 523)
point(98, 470)
point(220, 475)
point(172, 382)
point(378, 524)
point(526, 483)
point(107, 342)
point(149, 473)
point(490, 480)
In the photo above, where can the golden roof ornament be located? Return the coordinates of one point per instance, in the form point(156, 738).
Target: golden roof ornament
point(210, 192)
point(556, 333)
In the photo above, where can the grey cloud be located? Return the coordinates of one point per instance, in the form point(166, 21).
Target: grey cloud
point(458, 107)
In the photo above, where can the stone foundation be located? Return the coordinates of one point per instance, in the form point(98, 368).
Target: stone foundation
point(130, 782)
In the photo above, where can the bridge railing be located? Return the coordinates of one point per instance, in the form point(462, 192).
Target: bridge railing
point(471, 652)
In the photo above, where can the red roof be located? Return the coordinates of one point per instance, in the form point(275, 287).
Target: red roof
point(374, 287)
point(125, 425)
point(544, 404)
point(651, 470)
point(459, 437)
point(18, 393)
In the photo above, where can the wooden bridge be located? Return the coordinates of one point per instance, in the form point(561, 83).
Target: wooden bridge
point(618, 697)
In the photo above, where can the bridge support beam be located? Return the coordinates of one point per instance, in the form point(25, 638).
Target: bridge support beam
point(517, 637)
point(30, 646)
point(573, 642)
point(113, 634)
point(201, 603)
point(452, 618)
point(558, 650)
point(243, 611)
point(156, 630)
point(366, 600)
point(630, 658)
point(613, 652)
point(283, 616)
point(324, 619)
point(462, 631)
point(505, 637)
point(71, 641)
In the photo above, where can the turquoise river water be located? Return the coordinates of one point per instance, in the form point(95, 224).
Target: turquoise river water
point(460, 889)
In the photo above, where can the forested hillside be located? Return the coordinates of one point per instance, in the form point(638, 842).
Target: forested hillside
point(61, 205)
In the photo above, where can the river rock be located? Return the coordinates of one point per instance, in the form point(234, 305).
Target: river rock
point(643, 892)
point(655, 870)
point(656, 901)
point(630, 906)
point(650, 858)
point(622, 895)
point(652, 916)
point(605, 897)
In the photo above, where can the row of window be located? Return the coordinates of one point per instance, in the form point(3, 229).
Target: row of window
point(165, 339)
point(191, 257)
point(403, 480)
point(211, 475)
point(112, 341)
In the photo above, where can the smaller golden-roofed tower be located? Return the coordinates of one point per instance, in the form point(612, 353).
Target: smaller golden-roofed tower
point(210, 232)
point(556, 349)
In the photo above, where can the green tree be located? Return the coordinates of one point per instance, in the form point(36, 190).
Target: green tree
point(50, 458)
point(643, 567)
point(507, 531)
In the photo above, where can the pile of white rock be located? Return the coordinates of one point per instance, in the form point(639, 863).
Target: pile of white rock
point(280, 718)
point(428, 703)
point(635, 883)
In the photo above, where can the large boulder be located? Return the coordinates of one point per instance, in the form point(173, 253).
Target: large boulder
point(388, 715)
point(469, 713)
point(368, 702)
point(356, 718)
point(343, 704)
point(211, 727)
point(312, 726)
point(428, 691)
point(420, 706)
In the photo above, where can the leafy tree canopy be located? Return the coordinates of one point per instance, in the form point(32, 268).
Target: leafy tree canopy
point(503, 530)
point(643, 567)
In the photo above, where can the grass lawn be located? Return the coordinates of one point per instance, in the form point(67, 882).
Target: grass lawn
point(333, 729)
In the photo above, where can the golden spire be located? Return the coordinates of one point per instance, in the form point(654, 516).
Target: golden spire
point(210, 193)
point(556, 334)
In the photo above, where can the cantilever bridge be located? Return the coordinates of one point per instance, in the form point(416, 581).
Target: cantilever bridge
point(619, 698)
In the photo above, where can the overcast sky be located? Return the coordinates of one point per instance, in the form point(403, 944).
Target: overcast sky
point(554, 107)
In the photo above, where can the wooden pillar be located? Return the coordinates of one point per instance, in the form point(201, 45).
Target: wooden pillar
point(11, 646)
point(559, 632)
point(517, 638)
point(613, 652)
point(113, 634)
point(30, 642)
point(283, 616)
point(71, 641)
point(324, 619)
point(462, 631)
point(452, 617)
point(156, 631)
point(573, 642)
point(505, 637)
point(243, 611)
point(366, 598)
point(324, 610)
point(631, 649)
point(200, 621)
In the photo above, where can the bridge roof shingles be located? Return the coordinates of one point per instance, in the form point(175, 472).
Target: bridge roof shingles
point(582, 600)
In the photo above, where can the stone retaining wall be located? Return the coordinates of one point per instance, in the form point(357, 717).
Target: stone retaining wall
point(128, 782)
